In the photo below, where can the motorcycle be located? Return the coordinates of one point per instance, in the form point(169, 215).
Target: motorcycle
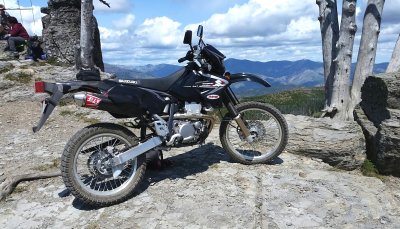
point(102, 164)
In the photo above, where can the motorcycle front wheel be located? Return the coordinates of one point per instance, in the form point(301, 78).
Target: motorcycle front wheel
point(267, 127)
point(86, 169)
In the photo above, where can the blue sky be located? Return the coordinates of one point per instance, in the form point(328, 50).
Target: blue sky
point(151, 31)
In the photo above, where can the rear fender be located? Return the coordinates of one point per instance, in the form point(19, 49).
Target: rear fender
point(240, 77)
point(58, 90)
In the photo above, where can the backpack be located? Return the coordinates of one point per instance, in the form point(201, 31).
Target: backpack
point(34, 48)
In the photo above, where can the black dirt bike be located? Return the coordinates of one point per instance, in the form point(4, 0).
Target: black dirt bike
point(102, 164)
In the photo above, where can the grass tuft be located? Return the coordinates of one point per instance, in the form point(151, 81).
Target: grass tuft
point(86, 119)
point(20, 77)
point(55, 62)
point(55, 164)
point(66, 113)
point(6, 69)
point(368, 169)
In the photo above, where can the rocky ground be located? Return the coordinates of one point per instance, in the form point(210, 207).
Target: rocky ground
point(203, 188)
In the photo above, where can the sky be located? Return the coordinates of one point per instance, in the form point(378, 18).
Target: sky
point(140, 32)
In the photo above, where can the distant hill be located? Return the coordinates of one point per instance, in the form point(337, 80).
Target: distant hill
point(159, 70)
point(146, 71)
point(124, 72)
point(303, 73)
point(282, 75)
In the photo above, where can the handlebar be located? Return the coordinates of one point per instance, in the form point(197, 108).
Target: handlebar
point(182, 59)
point(189, 56)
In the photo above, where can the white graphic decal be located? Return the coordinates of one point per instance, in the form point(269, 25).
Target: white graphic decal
point(129, 81)
point(213, 97)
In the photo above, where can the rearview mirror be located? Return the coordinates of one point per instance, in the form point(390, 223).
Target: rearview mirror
point(200, 31)
point(188, 37)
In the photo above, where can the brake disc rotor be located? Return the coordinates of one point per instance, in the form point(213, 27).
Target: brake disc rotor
point(99, 164)
point(256, 129)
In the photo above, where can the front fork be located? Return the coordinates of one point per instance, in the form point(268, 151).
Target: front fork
point(230, 100)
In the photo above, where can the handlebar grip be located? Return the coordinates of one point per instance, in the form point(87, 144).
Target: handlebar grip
point(182, 59)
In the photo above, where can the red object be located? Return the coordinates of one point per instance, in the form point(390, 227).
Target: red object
point(17, 30)
point(92, 101)
point(39, 87)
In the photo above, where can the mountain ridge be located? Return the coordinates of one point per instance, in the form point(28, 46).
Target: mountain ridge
point(282, 74)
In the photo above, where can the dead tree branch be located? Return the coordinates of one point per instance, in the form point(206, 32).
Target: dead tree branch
point(105, 3)
point(9, 184)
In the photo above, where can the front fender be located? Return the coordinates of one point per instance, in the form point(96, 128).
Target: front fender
point(239, 77)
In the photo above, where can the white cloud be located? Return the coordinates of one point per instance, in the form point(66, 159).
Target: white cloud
point(158, 32)
point(141, 44)
point(255, 30)
point(301, 29)
point(258, 18)
point(266, 30)
point(108, 34)
point(125, 22)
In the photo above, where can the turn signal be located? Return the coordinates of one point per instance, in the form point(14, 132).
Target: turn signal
point(39, 87)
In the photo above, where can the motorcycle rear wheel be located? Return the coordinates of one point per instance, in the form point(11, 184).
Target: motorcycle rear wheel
point(268, 128)
point(86, 169)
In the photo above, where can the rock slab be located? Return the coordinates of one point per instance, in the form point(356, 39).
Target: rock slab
point(339, 144)
point(379, 116)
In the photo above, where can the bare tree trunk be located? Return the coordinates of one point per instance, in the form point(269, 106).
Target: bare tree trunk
point(329, 25)
point(86, 41)
point(394, 65)
point(341, 87)
point(367, 51)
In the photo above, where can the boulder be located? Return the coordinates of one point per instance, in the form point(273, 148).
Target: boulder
point(340, 144)
point(61, 32)
point(379, 116)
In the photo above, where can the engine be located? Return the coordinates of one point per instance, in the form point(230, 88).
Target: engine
point(191, 125)
point(189, 130)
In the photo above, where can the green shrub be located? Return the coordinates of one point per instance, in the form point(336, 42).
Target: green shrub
point(368, 169)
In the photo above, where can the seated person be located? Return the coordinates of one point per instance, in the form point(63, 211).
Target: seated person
point(16, 36)
point(3, 21)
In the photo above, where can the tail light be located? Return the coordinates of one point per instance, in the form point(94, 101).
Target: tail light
point(39, 87)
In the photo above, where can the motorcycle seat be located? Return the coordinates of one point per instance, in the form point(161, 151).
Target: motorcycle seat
point(160, 84)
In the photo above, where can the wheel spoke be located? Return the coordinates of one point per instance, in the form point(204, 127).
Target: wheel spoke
point(266, 130)
point(93, 169)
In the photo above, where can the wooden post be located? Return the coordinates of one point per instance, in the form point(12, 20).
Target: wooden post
point(86, 42)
